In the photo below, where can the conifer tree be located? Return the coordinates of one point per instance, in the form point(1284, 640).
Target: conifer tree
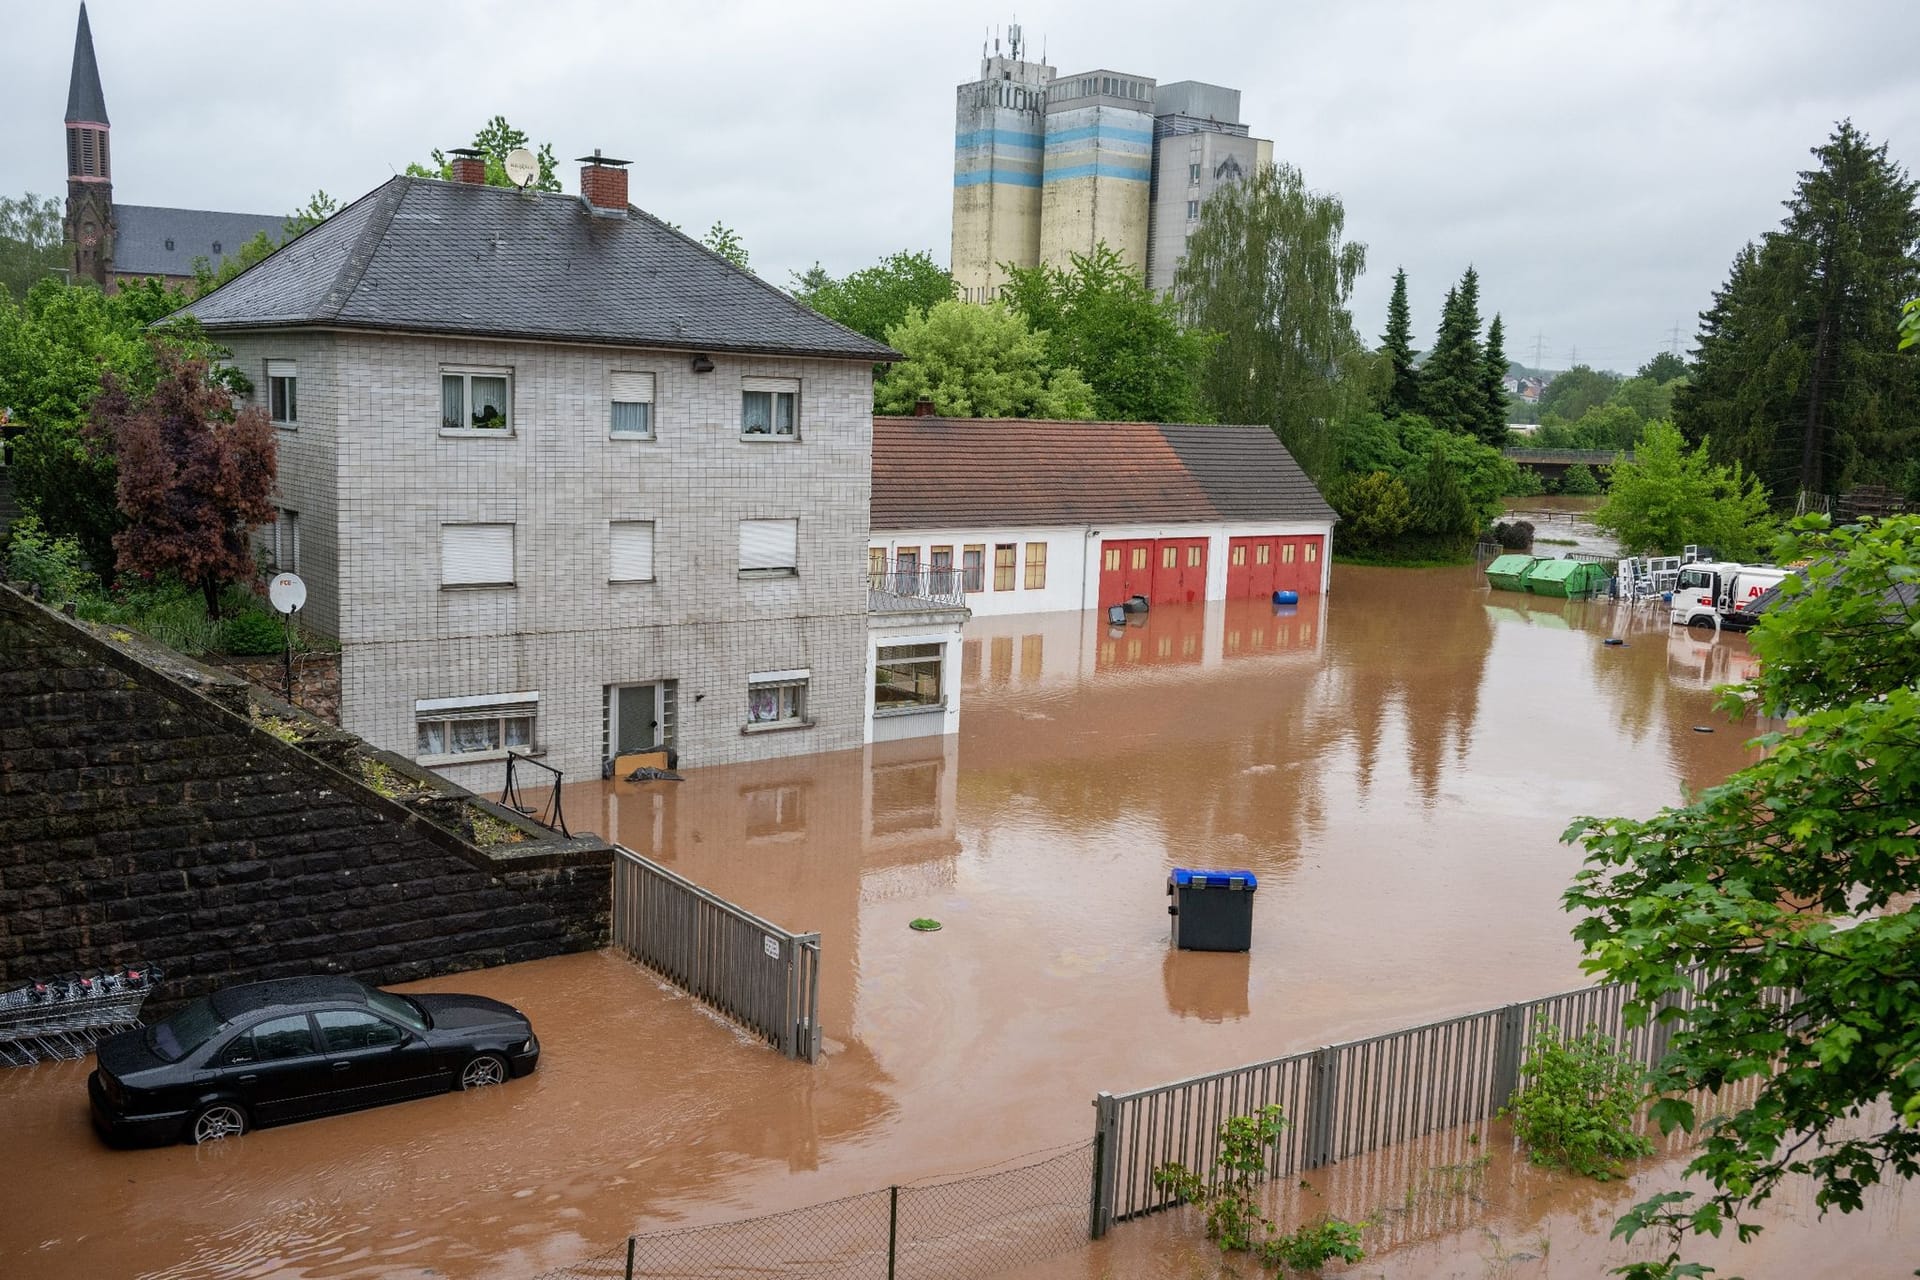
point(1493, 385)
point(1797, 376)
point(1450, 381)
point(1397, 345)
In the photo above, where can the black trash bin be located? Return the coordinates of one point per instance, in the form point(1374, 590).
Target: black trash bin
point(1212, 910)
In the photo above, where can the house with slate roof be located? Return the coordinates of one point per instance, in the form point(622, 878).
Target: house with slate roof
point(113, 243)
point(1048, 516)
point(560, 480)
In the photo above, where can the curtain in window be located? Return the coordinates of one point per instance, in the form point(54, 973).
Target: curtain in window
point(433, 738)
point(452, 402)
point(632, 419)
point(489, 402)
point(474, 735)
point(756, 413)
point(783, 414)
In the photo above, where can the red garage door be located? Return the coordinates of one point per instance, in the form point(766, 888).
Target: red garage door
point(1126, 569)
point(1250, 566)
point(1179, 570)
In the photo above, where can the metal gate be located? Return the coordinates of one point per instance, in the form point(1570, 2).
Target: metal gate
point(756, 973)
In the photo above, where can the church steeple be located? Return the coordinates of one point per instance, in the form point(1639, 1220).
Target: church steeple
point(89, 165)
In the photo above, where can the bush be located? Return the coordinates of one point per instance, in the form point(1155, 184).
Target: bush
point(1525, 482)
point(1575, 1107)
point(55, 566)
point(1514, 535)
point(1581, 482)
point(254, 633)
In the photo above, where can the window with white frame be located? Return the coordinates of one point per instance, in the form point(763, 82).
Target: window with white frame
point(453, 729)
point(476, 400)
point(632, 397)
point(769, 548)
point(476, 555)
point(777, 699)
point(630, 551)
point(770, 407)
point(283, 392)
point(1193, 210)
point(286, 541)
point(907, 676)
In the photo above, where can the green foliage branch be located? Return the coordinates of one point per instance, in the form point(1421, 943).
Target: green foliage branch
point(1576, 1104)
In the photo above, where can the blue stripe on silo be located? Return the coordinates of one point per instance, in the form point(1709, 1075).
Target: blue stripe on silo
point(999, 138)
point(1127, 173)
point(1104, 132)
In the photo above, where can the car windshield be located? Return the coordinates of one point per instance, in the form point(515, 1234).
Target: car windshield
point(185, 1031)
point(399, 1008)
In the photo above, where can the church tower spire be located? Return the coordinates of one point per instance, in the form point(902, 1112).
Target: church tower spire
point(90, 225)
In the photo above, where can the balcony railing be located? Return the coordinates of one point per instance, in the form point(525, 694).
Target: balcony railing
point(892, 585)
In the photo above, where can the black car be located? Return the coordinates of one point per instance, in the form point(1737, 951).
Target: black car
point(270, 1052)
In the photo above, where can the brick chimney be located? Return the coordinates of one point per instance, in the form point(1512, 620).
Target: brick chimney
point(469, 166)
point(603, 184)
point(923, 407)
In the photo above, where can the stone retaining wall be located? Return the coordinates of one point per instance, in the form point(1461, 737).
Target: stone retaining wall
point(146, 814)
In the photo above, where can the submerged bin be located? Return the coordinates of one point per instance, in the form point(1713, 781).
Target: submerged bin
point(1505, 572)
point(1565, 578)
point(1212, 910)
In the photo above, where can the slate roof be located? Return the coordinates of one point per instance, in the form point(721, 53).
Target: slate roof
point(142, 234)
point(429, 256)
point(945, 472)
point(85, 101)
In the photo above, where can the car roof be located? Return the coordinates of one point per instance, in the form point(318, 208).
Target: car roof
point(237, 1002)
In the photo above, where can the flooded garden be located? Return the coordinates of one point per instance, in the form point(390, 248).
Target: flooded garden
point(1395, 762)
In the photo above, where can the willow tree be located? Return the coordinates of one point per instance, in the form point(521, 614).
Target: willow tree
point(1268, 271)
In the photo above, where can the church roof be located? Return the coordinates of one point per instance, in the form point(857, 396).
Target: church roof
point(85, 101)
point(152, 241)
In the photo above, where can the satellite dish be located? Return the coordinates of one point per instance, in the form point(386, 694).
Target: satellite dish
point(287, 592)
point(522, 168)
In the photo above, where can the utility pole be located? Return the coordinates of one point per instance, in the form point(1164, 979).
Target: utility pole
point(1539, 349)
point(1673, 342)
point(1573, 356)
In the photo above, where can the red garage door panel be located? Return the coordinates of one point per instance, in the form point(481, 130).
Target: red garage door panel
point(1179, 570)
point(1126, 569)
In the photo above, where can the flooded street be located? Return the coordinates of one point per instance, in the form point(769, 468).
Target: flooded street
point(1395, 762)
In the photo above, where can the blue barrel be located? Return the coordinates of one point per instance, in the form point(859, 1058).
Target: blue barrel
point(1286, 597)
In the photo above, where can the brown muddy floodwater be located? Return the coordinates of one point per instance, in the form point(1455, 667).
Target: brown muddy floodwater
point(1396, 763)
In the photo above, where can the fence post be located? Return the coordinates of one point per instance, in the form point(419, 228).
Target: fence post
point(893, 1227)
point(1322, 1091)
point(1100, 1212)
point(630, 1243)
point(1506, 1055)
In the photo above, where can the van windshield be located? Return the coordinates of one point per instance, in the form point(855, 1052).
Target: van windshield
point(188, 1029)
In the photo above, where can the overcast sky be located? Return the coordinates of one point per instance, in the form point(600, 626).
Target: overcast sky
point(1599, 162)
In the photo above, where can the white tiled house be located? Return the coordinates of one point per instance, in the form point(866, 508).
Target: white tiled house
point(564, 482)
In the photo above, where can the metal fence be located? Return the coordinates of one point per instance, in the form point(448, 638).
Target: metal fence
point(753, 971)
point(950, 1228)
point(1348, 1099)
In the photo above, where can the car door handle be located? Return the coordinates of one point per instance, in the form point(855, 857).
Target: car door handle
point(248, 1079)
point(342, 1066)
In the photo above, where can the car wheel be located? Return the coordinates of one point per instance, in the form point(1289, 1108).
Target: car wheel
point(216, 1121)
point(488, 1068)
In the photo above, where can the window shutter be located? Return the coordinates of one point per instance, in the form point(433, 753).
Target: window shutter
point(476, 554)
point(630, 550)
point(281, 369)
point(631, 388)
point(769, 544)
point(770, 384)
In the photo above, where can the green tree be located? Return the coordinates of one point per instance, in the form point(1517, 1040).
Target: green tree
point(1574, 392)
point(1451, 381)
point(726, 242)
point(1798, 375)
point(1794, 887)
point(1268, 271)
point(978, 362)
point(495, 141)
point(207, 277)
point(1441, 509)
point(32, 242)
point(1492, 426)
point(1646, 398)
point(1101, 318)
point(1663, 368)
point(1396, 344)
point(1669, 496)
point(319, 207)
point(1910, 324)
point(874, 299)
point(1375, 509)
point(1607, 426)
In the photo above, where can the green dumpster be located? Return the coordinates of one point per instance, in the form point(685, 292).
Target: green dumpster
point(1505, 572)
point(1564, 578)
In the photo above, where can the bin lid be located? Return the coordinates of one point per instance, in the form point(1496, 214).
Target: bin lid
point(1185, 878)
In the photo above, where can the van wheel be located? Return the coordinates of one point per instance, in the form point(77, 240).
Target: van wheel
point(1705, 624)
point(216, 1121)
point(488, 1068)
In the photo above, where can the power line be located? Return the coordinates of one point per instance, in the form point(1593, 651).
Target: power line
point(1539, 349)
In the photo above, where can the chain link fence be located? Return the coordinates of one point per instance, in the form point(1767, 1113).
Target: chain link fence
point(956, 1227)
